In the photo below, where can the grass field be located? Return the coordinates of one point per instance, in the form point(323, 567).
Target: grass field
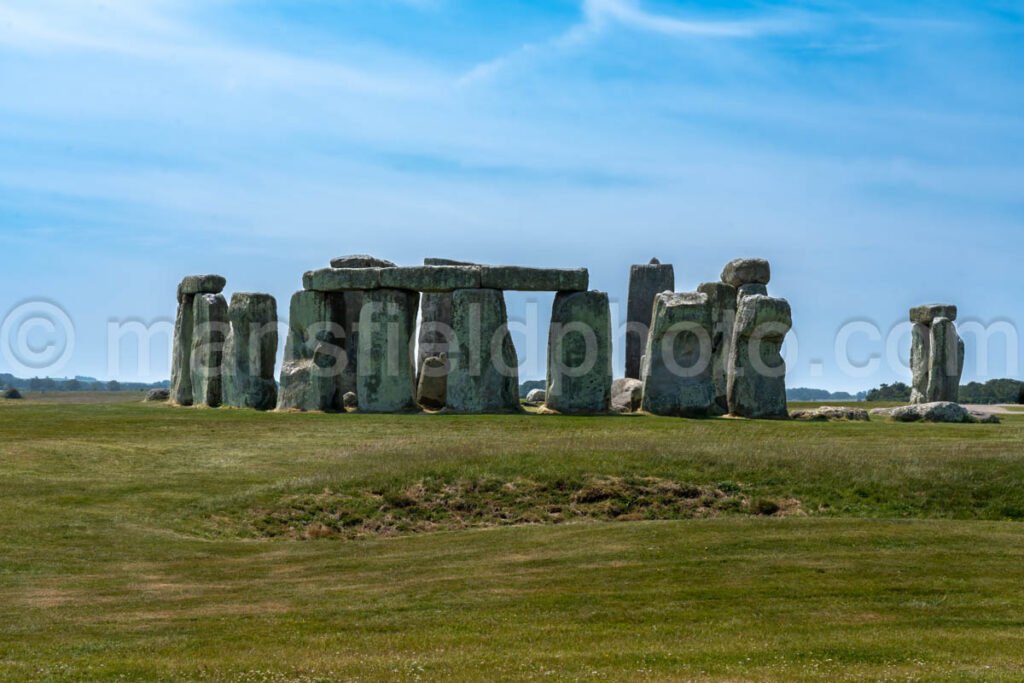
point(143, 542)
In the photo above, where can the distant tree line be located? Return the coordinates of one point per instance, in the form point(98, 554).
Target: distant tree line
point(993, 391)
point(75, 384)
point(805, 394)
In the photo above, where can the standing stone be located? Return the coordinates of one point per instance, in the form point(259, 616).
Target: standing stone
point(315, 370)
point(436, 317)
point(484, 374)
point(645, 281)
point(678, 379)
point(251, 352)
point(181, 358)
point(723, 316)
point(757, 371)
point(385, 370)
point(936, 354)
point(432, 385)
point(210, 318)
point(181, 370)
point(945, 362)
point(580, 354)
point(920, 353)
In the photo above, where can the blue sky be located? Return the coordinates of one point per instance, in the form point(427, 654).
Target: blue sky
point(873, 151)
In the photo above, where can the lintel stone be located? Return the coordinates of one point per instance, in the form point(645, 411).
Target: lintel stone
point(519, 278)
point(431, 278)
point(341, 279)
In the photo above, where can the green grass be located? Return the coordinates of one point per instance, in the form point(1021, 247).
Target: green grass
point(144, 542)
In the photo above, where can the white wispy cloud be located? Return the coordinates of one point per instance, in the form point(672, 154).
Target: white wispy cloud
point(164, 31)
point(599, 16)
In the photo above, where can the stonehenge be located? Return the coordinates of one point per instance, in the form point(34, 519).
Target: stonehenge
point(645, 282)
point(936, 354)
point(366, 334)
point(718, 350)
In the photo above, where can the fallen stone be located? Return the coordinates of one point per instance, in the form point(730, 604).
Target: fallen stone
point(757, 371)
point(201, 284)
point(677, 371)
point(518, 278)
point(316, 371)
point(210, 331)
point(350, 401)
point(361, 261)
point(985, 418)
point(251, 352)
point(484, 375)
point(723, 316)
point(432, 386)
point(12, 394)
point(536, 396)
point(645, 282)
point(746, 271)
point(580, 354)
point(831, 414)
point(386, 379)
point(627, 395)
point(431, 278)
point(939, 411)
point(926, 315)
point(158, 395)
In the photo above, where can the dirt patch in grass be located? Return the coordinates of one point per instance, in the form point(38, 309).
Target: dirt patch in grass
point(436, 505)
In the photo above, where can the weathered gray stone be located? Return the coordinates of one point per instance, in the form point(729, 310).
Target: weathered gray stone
point(831, 414)
point(316, 372)
point(580, 354)
point(158, 395)
point(251, 352)
point(939, 411)
point(518, 278)
point(536, 396)
point(484, 375)
point(201, 284)
point(311, 383)
point(945, 361)
point(723, 316)
point(12, 394)
point(431, 278)
point(645, 281)
point(926, 315)
point(920, 353)
point(757, 372)
point(436, 317)
point(627, 395)
point(751, 289)
point(210, 330)
point(361, 261)
point(678, 378)
point(386, 378)
point(745, 271)
point(181, 355)
point(432, 386)
point(341, 279)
